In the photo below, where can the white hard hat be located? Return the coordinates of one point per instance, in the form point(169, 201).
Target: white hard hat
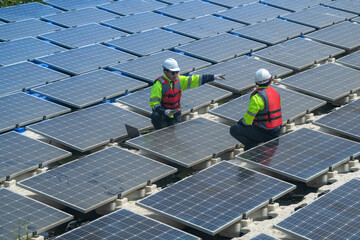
point(171, 64)
point(262, 76)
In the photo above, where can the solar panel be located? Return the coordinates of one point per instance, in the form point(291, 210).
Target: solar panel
point(298, 53)
point(344, 35)
point(26, 11)
point(253, 13)
point(92, 181)
point(23, 76)
point(329, 81)
point(220, 47)
point(240, 72)
point(84, 59)
point(349, 125)
point(143, 43)
point(82, 35)
point(173, 1)
point(263, 236)
point(357, 20)
point(190, 9)
point(140, 22)
point(149, 68)
point(294, 6)
point(127, 7)
point(20, 154)
point(205, 26)
point(351, 60)
point(302, 155)
point(20, 109)
point(232, 3)
point(273, 31)
point(191, 99)
point(89, 88)
point(187, 144)
point(27, 28)
point(124, 224)
point(345, 5)
point(80, 17)
point(16, 209)
point(319, 17)
point(71, 5)
point(332, 216)
point(215, 198)
point(92, 127)
point(24, 49)
point(294, 105)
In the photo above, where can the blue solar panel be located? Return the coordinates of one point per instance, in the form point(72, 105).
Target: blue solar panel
point(127, 7)
point(232, 3)
point(345, 5)
point(71, 4)
point(294, 6)
point(263, 236)
point(351, 60)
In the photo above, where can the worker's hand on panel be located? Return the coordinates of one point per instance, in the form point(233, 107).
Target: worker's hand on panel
point(219, 76)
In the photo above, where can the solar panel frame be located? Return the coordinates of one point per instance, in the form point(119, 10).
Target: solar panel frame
point(351, 60)
point(344, 5)
point(20, 109)
point(97, 179)
point(87, 89)
point(294, 6)
point(68, 5)
point(128, 7)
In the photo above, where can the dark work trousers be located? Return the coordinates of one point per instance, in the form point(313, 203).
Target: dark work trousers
point(161, 120)
point(251, 135)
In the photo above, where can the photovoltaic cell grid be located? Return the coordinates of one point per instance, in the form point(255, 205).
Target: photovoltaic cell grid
point(142, 44)
point(294, 105)
point(302, 155)
point(220, 47)
point(273, 31)
point(332, 216)
point(92, 127)
point(240, 72)
point(27, 28)
point(188, 143)
point(127, 7)
point(23, 76)
point(191, 99)
point(124, 224)
point(202, 27)
point(140, 22)
point(90, 182)
point(83, 35)
point(345, 5)
point(89, 88)
point(190, 9)
point(298, 53)
point(20, 154)
point(351, 60)
point(329, 81)
point(253, 13)
point(80, 17)
point(143, 68)
point(71, 5)
point(84, 59)
point(294, 6)
point(232, 3)
point(319, 17)
point(25, 49)
point(263, 236)
point(20, 109)
point(216, 197)
point(344, 35)
point(345, 120)
point(26, 11)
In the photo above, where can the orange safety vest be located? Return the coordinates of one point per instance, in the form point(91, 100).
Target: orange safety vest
point(170, 96)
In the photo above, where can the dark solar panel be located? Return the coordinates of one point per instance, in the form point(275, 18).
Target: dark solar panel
point(351, 60)
point(144, 43)
point(82, 35)
point(298, 53)
point(92, 127)
point(329, 81)
point(294, 105)
point(273, 31)
point(89, 88)
point(20, 154)
point(71, 4)
point(294, 6)
point(345, 5)
point(97, 179)
point(240, 72)
point(84, 59)
point(188, 143)
point(348, 125)
point(232, 3)
point(16, 210)
point(302, 155)
point(220, 47)
point(127, 7)
point(215, 198)
point(23, 76)
point(20, 109)
point(333, 216)
point(149, 68)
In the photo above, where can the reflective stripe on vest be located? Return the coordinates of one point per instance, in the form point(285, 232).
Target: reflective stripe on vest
point(170, 96)
point(270, 117)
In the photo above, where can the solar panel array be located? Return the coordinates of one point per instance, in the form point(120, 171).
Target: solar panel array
point(351, 60)
point(232, 3)
point(345, 5)
point(263, 236)
point(128, 7)
point(294, 6)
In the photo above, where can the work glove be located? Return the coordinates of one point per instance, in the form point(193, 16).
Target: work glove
point(170, 112)
point(219, 77)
